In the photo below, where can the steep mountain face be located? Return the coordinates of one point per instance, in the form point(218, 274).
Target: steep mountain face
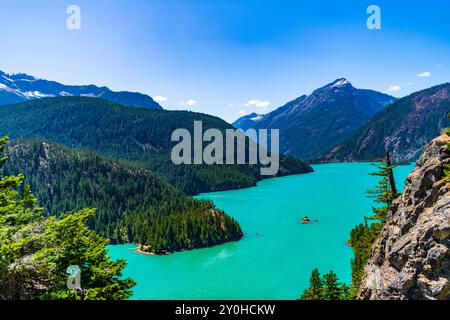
point(311, 125)
point(411, 258)
point(22, 87)
point(137, 135)
point(133, 204)
point(403, 128)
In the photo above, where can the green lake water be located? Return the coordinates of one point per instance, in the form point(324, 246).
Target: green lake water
point(277, 253)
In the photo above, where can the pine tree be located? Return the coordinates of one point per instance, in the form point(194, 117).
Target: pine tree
point(315, 290)
point(325, 287)
point(75, 244)
point(447, 165)
point(345, 292)
point(364, 235)
point(332, 288)
point(35, 252)
point(386, 191)
point(19, 216)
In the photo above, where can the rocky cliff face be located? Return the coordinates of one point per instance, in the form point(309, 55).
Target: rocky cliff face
point(411, 258)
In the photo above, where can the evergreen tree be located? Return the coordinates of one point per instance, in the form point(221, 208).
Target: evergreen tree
point(326, 287)
point(19, 216)
point(364, 235)
point(386, 191)
point(315, 290)
point(345, 292)
point(332, 287)
point(35, 252)
point(447, 166)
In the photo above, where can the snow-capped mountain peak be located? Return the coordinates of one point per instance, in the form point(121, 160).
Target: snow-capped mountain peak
point(20, 87)
point(340, 83)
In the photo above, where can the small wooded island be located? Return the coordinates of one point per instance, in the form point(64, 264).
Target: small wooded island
point(305, 220)
point(207, 226)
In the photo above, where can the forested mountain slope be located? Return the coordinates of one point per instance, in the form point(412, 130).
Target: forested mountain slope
point(133, 204)
point(137, 135)
point(402, 128)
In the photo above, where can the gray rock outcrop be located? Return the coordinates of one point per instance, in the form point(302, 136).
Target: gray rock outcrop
point(410, 260)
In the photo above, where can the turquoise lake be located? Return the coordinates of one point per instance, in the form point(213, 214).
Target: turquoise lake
point(275, 258)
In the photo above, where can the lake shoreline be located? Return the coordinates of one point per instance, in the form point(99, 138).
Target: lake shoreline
point(284, 256)
point(138, 249)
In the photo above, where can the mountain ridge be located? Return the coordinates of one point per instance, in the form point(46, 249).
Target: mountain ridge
point(20, 87)
point(403, 128)
point(310, 125)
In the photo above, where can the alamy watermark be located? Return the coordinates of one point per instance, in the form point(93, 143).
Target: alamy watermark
point(74, 278)
point(374, 20)
point(73, 22)
point(234, 146)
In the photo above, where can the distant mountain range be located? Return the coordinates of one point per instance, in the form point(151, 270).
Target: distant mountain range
point(336, 123)
point(15, 88)
point(311, 125)
point(403, 128)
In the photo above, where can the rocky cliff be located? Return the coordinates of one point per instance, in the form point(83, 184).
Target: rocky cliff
point(411, 258)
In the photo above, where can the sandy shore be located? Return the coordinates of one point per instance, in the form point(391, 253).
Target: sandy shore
point(138, 250)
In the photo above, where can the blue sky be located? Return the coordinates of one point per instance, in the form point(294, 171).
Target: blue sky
point(228, 58)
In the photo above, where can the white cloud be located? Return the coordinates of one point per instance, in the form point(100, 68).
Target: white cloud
point(258, 103)
point(408, 84)
point(438, 65)
point(395, 88)
point(190, 103)
point(425, 74)
point(160, 99)
point(241, 112)
point(231, 105)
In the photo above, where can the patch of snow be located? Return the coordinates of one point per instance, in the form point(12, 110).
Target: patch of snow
point(36, 94)
point(24, 77)
point(7, 79)
point(341, 83)
point(27, 80)
point(89, 95)
point(8, 89)
point(257, 118)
